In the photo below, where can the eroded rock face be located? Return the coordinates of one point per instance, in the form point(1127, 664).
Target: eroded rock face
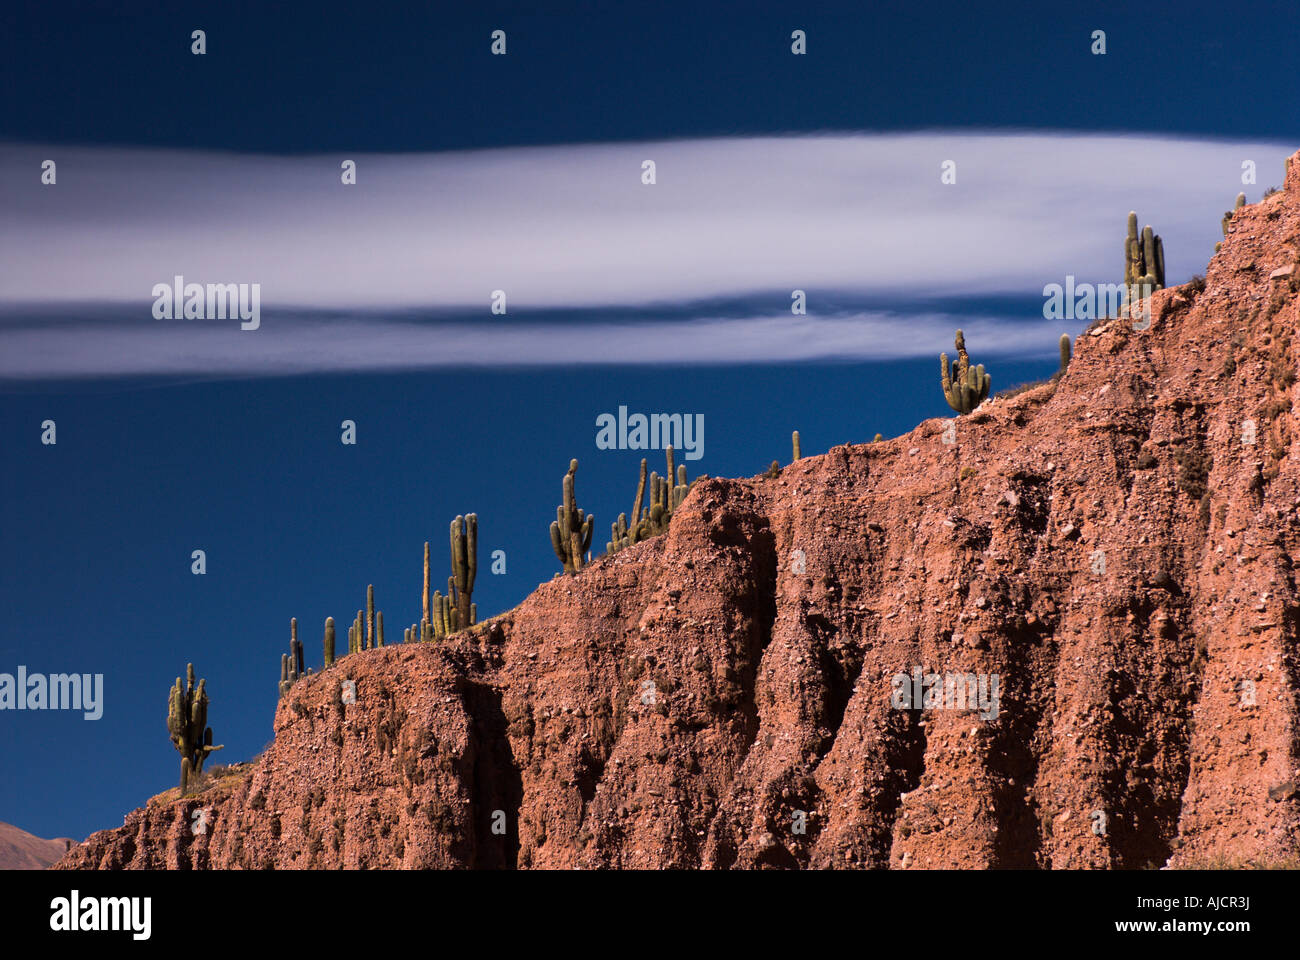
point(1115, 548)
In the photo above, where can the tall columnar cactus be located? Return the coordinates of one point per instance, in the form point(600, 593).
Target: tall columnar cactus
point(1144, 262)
point(1065, 351)
point(187, 722)
point(370, 616)
point(794, 439)
point(329, 641)
point(379, 628)
point(464, 564)
point(571, 528)
point(444, 616)
point(964, 387)
point(295, 648)
point(427, 595)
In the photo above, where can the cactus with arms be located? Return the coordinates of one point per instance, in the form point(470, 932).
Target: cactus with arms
point(571, 528)
point(1144, 262)
point(964, 387)
point(292, 668)
point(187, 722)
point(464, 564)
point(665, 497)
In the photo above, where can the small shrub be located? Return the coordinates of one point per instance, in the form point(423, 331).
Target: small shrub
point(1193, 472)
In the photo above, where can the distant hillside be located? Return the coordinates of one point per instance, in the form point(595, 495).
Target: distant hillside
point(19, 850)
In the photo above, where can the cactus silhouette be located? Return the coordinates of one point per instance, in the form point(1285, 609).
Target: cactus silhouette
point(964, 387)
point(329, 641)
point(794, 439)
point(1065, 351)
point(187, 723)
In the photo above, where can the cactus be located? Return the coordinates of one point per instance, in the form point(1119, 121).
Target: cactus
point(1144, 262)
point(665, 497)
point(427, 596)
point(329, 641)
point(464, 564)
point(379, 628)
point(794, 439)
point(774, 470)
point(964, 387)
point(292, 668)
point(1065, 351)
point(1227, 218)
point(571, 528)
point(187, 723)
point(370, 616)
point(877, 438)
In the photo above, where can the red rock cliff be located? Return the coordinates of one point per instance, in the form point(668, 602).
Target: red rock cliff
point(1112, 546)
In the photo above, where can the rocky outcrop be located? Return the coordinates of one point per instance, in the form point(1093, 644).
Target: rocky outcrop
point(1114, 548)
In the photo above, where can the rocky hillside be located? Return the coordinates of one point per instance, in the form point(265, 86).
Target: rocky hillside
point(1113, 548)
point(20, 850)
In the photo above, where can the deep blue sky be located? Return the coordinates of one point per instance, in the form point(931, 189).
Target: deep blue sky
point(97, 531)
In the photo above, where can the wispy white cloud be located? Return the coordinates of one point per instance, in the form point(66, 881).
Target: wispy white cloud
point(302, 345)
point(573, 227)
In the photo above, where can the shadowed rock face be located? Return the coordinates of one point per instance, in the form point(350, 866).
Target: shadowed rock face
point(1111, 548)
